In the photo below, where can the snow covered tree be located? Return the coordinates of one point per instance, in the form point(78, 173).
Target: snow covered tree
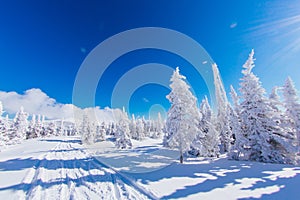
point(235, 99)
point(133, 128)
point(222, 120)
point(51, 129)
point(112, 129)
point(147, 127)
point(30, 131)
point(122, 135)
point(158, 127)
point(87, 131)
point(183, 116)
point(3, 128)
point(140, 130)
point(101, 132)
point(206, 142)
point(264, 138)
point(292, 106)
point(20, 126)
point(60, 129)
point(239, 140)
point(38, 127)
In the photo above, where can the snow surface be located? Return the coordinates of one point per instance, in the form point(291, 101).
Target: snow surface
point(61, 168)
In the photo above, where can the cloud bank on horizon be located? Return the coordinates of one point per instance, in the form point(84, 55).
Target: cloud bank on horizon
point(35, 101)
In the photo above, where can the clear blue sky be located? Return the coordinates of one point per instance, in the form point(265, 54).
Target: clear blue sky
point(43, 43)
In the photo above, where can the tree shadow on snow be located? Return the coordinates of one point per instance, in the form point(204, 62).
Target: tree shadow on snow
point(244, 180)
point(74, 141)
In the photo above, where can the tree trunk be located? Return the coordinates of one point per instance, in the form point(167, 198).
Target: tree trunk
point(181, 157)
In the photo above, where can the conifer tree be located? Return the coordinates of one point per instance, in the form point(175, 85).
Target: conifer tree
point(183, 116)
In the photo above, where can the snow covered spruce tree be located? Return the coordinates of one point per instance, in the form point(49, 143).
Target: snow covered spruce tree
point(206, 142)
point(30, 131)
point(239, 140)
point(122, 135)
point(3, 128)
point(38, 127)
point(140, 129)
point(239, 148)
point(183, 116)
point(292, 107)
point(87, 131)
point(158, 127)
point(222, 120)
point(132, 127)
point(20, 126)
point(100, 132)
point(264, 138)
point(50, 129)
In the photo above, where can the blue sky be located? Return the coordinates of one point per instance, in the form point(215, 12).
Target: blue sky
point(43, 43)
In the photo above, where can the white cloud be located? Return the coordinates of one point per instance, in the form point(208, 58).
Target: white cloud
point(146, 100)
point(36, 101)
point(233, 25)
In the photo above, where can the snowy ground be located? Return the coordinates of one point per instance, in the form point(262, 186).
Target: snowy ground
point(61, 168)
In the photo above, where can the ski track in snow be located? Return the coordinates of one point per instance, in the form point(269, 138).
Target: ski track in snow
point(68, 172)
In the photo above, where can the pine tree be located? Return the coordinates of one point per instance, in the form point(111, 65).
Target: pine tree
point(206, 142)
point(264, 138)
point(3, 129)
point(101, 132)
point(87, 131)
point(183, 116)
point(38, 128)
point(140, 130)
point(239, 139)
point(20, 126)
point(147, 127)
point(133, 128)
point(222, 120)
point(122, 135)
point(158, 127)
point(292, 107)
point(51, 129)
point(60, 130)
point(31, 132)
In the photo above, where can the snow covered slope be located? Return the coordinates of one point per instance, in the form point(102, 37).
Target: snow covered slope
point(157, 169)
point(61, 168)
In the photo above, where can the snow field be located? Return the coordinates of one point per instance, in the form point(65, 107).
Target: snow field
point(66, 171)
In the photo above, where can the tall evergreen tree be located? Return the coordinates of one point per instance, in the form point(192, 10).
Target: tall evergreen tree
point(222, 120)
point(158, 127)
point(132, 127)
point(101, 132)
point(122, 135)
point(87, 131)
point(3, 128)
point(51, 129)
point(140, 129)
point(292, 107)
point(20, 126)
point(240, 140)
point(206, 142)
point(263, 133)
point(183, 116)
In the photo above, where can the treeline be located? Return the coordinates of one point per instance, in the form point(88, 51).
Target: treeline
point(14, 131)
